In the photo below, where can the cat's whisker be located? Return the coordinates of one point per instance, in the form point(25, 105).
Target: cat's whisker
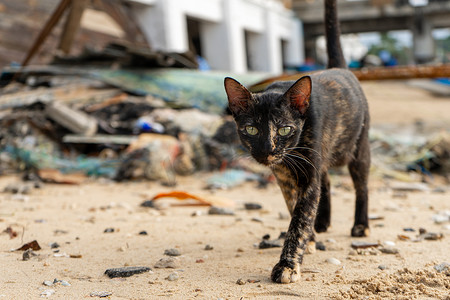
point(297, 164)
point(305, 148)
point(300, 156)
point(290, 164)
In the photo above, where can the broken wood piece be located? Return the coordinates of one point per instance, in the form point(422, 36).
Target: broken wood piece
point(55, 176)
point(74, 120)
point(99, 139)
point(72, 25)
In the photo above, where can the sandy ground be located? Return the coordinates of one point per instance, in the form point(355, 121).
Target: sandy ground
point(76, 217)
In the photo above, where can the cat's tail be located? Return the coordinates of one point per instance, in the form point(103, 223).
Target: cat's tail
point(333, 34)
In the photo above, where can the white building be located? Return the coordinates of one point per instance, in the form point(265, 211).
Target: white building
point(232, 35)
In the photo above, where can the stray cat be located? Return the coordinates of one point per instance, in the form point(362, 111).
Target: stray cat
point(300, 129)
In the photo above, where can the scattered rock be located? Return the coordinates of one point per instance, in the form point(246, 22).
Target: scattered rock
point(258, 220)
point(54, 245)
point(109, 230)
point(126, 271)
point(333, 261)
point(442, 217)
point(209, 247)
point(320, 246)
point(214, 210)
point(168, 262)
point(408, 229)
point(266, 237)
point(28, 254)
point(306, 270)
point(363, 245)
point(422, 230)
point(173, 277)
point(389, 243)
point(284, 216)
point(240, 281)
point(389, 250)
point(252, 206)
point(432, 236)
point(269, 244)
point(443, 268)
point(375, 217)
point(382, 267)
point(100, 294)
point(48, 283)
point(148, 203)
point(48, 293)
point(143, 232)
point(172, 252)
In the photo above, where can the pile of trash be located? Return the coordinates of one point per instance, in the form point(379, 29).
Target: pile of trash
point(120, 124)
point(63, 123)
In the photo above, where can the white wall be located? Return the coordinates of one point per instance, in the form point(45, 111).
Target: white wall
point(222, 27)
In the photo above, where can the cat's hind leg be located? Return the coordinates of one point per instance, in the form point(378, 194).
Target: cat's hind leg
point(359, 171)
point(323, 217)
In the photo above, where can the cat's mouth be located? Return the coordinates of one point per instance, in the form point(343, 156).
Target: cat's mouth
point(273, 160)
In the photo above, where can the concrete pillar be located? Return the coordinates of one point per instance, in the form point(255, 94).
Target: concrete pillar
point(423, 42)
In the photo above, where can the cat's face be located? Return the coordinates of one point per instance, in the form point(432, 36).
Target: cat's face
point(269, 123)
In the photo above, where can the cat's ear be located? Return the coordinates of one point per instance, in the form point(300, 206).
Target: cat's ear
point(238, 96)
point(299, 94)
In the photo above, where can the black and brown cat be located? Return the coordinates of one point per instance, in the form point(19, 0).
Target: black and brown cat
point(300, 129)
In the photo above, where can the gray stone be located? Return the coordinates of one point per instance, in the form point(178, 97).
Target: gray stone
point(172, 252)
point(126, 271)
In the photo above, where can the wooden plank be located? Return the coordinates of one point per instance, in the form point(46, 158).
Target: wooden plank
point(46, 30)
point(72, 25)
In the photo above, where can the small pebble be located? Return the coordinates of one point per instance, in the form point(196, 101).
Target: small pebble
point(320, 246)
point(389, 250)
point(209, 247)
point(173, 277)
point(220, 211)
point(48, 283)
point(172, 252)
point(284, 216)
point(240, 281)
point(408, 229)
point(54, 245)
point(258, 220)
point(252, 206)
point(143, 232)
point(440, 218)
point(47, 293)
point(108, 230)
point(28, 254)
point(148, 203)
point(432, 236)
point(333, 261)
point(382, 267)
point(168, 262)
point(422, 230)
point(269, 244)
point(443, 268)
point(126, 271)
point(389, 243)
point(363, 245)
point(266, 237)
point(100, 294)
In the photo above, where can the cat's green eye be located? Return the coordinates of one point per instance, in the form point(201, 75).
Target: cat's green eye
point(251, 130)
point(283, 131)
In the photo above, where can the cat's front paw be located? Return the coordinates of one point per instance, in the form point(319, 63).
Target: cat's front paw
point(360, 231)
point(286, 272)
